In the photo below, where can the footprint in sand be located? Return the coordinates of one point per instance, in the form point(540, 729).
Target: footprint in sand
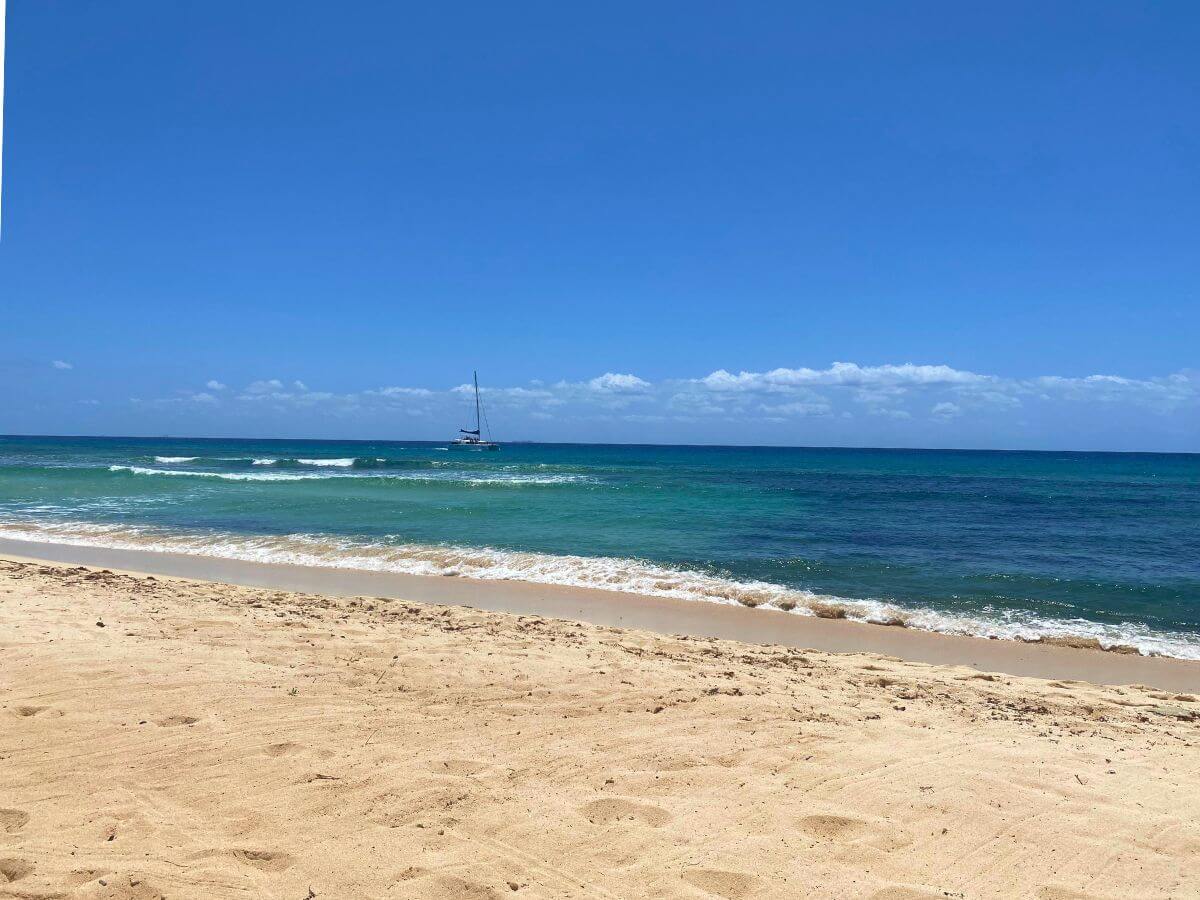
point(12, 869)
point(451, 887)
point(172, 721)
point(285, 749)
point(83, 876)
point(843, 829)
point(24, 712)
point(677, 763)
point(13, 820)
point(265, 860)
point(832, 828)
point(420, 806)
point(720, 883)
point(906, 893)
point(119, 887)
point(610, 811)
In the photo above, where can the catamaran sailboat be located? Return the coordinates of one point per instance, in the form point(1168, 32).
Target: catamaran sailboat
point(471, 440)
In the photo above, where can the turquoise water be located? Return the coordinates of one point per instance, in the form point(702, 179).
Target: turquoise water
point(995, 543)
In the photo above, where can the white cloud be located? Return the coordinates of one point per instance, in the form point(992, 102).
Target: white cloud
point(892, 386)
point(1002, 396)
point(181, 399)
point(1161, 393)
point(840, 374)
point(797, 408)
point(611, 391)
point(514, 396)
point(399, 392)
point(724, 404)
point(61, 364)
point(945, 410)
point(611, 382)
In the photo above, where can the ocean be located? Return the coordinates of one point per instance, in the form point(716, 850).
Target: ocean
point(993, 543)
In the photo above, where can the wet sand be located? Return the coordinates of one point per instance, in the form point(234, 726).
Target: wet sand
point(657, 614)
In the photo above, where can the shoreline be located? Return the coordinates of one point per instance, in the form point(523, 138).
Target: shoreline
point(662, 615)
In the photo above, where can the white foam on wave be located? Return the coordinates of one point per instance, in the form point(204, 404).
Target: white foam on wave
point(473, 478)
point(603, 573)
point(339, 463)
point(224, 476)
point(175, 459)
point(264, 461)
point(440, 477)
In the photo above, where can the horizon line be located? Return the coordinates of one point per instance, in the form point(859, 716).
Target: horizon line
point(176, 437)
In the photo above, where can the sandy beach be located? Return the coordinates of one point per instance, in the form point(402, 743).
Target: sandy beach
point(663, 615)
point(707, 451)
point(184, 738)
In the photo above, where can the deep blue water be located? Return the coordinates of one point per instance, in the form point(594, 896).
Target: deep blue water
point(1003, 543)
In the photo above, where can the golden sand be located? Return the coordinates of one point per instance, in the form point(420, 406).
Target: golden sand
point(166, 737)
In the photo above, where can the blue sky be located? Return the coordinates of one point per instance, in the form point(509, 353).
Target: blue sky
point(928, 224)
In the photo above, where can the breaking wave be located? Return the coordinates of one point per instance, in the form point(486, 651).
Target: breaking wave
point(603, 573)
point(344, 462)
point(514, 479)
point(226, 476)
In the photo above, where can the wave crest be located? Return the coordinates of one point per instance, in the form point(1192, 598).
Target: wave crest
point(433, 477)
point(225, 476)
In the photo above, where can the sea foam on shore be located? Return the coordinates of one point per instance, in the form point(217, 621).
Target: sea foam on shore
point(603, 573)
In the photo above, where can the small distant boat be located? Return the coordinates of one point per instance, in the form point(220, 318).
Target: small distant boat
point(471, 440)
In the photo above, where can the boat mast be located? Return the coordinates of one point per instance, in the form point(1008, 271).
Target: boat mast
point(477, 426)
